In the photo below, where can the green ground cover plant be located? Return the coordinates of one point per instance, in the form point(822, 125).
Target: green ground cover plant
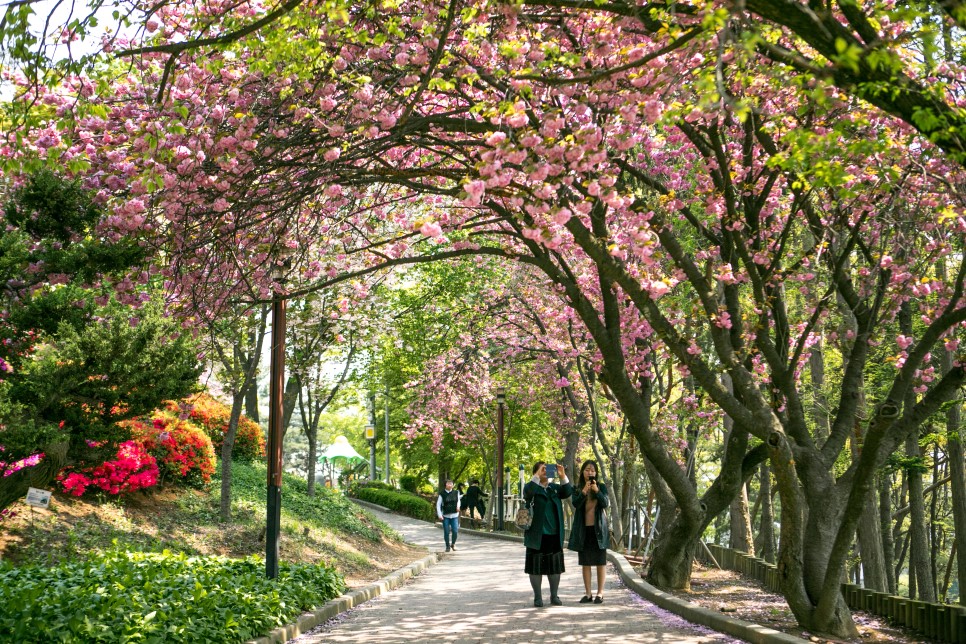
point(123, 596)
point(148, 566)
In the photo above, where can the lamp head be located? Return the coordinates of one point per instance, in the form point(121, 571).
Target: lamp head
point(500, 395)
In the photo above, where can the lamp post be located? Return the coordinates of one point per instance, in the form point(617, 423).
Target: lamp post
point(521, 480)
point(275, 415)
point(387, 434)
point(500, 403)
point(371, 436)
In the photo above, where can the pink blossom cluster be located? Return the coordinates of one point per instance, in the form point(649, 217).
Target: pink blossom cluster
point(132, 469)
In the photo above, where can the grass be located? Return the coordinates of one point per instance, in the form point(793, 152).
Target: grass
point(326, 528)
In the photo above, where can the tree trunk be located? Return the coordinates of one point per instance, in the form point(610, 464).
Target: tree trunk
point(740, 525)
point(870, 547)
point(919, 564)
point(885, 530)
point(289, 400)
point(227, 445)
point(312, 434)
point(820, 406)
point(957, 471)
point(674, 554)
point(251, 403)
point(741, 538)
point(767, 525)
point(661, 571)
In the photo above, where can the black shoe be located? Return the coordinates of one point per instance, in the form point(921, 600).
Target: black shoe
point(447, 549)
point(598, 599)
point(556, 601)
point(538, 602)
point(453, 548)
point(586, 599)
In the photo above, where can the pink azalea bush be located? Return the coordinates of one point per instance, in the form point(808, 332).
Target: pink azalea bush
point(183, 451)
point(133, 469)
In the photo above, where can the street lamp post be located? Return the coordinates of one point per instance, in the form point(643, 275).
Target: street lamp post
point(500, 403)
point(275, 415)
point(387, 434)
point(371, 437)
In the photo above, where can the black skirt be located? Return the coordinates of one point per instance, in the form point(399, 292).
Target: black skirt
point(591, 554)
point(548, 560)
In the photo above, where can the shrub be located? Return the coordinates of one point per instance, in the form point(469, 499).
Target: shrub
point(401, 502)
point(409, 483)
point(121, 596)
point(183, 451)
point(378, 485)
point(213, 416)
point(133, 469)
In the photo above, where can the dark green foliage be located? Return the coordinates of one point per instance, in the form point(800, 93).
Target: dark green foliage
point(402, 502)
point(73, 361)
point(409, 483)
point(54, 221)
point(122, 596)
point(378, 485)
point(49, 207)
point(110, 370)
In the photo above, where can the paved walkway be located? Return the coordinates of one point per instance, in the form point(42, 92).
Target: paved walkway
point(479, 593)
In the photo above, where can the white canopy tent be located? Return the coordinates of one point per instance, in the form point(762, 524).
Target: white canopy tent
point(339, 454)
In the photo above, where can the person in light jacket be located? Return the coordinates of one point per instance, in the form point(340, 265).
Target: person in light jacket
point(590, 535)
point(544, 538)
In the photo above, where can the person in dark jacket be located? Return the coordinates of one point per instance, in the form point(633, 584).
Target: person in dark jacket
point(544, 538)
point(473, 500)
point(448, 511)
point(590, 535)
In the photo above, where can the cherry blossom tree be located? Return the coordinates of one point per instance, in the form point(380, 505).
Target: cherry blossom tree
point(667, 181)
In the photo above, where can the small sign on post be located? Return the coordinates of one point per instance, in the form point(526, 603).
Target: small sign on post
point(370, 432)
point(38, 498)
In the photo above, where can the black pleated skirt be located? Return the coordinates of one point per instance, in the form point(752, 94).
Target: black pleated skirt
point(548, 560)
point(592, 554)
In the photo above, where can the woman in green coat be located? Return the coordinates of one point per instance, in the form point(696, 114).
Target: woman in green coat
point(590, 535)
point(544, 538)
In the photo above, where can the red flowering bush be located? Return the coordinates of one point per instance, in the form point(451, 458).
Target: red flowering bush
point(213, 417)
point(183, 451)
point(133, 469)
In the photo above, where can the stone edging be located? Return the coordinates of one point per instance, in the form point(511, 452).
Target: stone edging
point(748, 631)
point(309, 620)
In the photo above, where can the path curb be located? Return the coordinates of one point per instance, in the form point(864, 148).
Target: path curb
point(748, 631)
point(309, 620)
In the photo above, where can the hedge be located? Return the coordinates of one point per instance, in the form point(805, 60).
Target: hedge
point(401, 502)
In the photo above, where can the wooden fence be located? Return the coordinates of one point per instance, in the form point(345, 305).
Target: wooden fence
point(939, 622)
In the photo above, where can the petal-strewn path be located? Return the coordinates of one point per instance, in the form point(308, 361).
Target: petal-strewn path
point(480, 594)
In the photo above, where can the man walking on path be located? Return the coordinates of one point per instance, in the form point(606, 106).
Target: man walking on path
point(473, 499)
point(448, 511)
